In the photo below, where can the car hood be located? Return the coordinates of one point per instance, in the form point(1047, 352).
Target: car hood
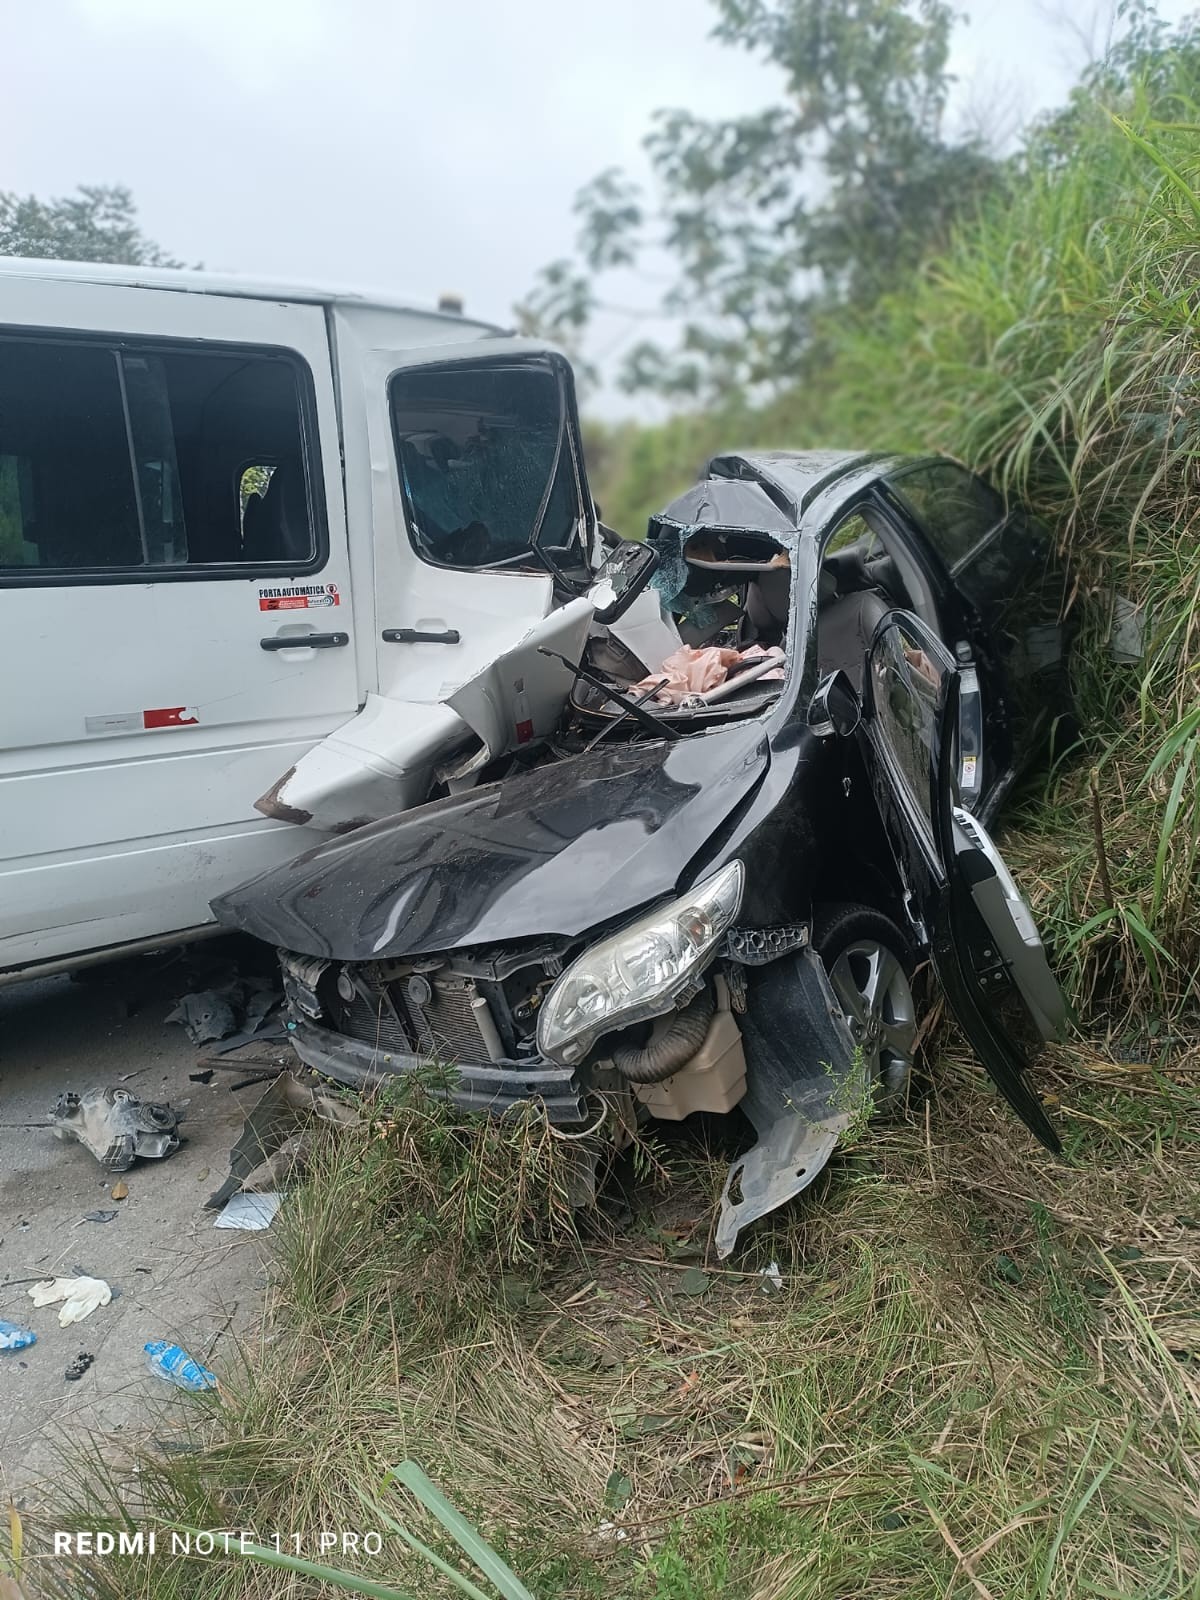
point(557, 851)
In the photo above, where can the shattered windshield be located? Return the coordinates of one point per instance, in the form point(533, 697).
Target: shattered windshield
point(476, 447)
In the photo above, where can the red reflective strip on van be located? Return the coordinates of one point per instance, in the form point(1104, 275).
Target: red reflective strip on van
point(171, 717)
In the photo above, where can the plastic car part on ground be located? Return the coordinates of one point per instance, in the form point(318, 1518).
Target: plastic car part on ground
point(250, 1212)
point(207, 1015)
point(80, 1297)
point(272, 1147)
point(14, 1337)
point(116, 1126)
point(168, 1361)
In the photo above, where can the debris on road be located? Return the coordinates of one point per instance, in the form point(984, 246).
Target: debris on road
point(119, 1190)
point(205, 1075)
point(80, 1297)
point(250, 1212)
point(79, 1366)
point(97, 1216)
point(772, 1277)
point(275, 1129)
point(176, 1366)
point(243, 1004)
point(116, 1126)
point(14, 1337)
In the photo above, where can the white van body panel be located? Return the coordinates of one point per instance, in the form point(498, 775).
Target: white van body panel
point(493, 613)
point(142, 716)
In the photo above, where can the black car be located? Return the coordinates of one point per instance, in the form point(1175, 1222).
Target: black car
point(699, 897)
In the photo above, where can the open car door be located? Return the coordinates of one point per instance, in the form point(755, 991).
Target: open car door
point(984, 943)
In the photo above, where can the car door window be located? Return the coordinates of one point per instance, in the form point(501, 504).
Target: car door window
point(166, 461)
point(906, 691)
point(957, 511)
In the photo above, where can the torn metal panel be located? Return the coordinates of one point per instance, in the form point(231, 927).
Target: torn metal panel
point(806, 1084)
point(384, 760)
point(378, 763)
point(520, 696)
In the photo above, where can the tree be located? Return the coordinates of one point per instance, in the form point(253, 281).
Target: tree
point(97, 223)
point(829, 197)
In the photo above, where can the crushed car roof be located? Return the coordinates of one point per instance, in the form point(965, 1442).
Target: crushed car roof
point(764, 491)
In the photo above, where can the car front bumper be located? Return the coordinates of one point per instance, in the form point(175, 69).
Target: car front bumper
point(493, 1088)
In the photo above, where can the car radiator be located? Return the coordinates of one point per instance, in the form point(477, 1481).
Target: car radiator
point(429, 1016)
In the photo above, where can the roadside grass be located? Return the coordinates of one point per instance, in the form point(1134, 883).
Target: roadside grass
point(980, 1376)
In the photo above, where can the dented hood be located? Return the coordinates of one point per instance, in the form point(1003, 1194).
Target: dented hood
point(559, 850)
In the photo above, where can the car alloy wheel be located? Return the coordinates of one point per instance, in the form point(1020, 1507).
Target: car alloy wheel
point(869, 964)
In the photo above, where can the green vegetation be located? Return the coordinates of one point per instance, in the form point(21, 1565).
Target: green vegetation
point(96, 223)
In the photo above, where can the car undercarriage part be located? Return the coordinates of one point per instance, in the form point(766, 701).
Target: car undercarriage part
point(116, 1126)
point(809, 1084)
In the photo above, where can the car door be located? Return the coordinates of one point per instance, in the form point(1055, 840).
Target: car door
point(1000, 567)
point(982, 938)
point(175, 606)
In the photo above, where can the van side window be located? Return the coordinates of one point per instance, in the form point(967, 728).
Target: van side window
point(115, 458)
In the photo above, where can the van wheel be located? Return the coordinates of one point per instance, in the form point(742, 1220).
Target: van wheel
point(870, 963)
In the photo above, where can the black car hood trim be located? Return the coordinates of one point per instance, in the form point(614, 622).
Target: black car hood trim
point(559, 850)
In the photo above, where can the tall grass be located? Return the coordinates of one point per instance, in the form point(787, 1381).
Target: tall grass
point(1055, 346)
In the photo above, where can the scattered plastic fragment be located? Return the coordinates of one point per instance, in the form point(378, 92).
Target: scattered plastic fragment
point(116, 1126)
point(176, 1366)
point(211, 1014)
point(249, 1211)
point(13, 1337)
point(79, 1366)
point(286, 1110)
point(98, 1216)
point(80, 1297)
point(771, 1276)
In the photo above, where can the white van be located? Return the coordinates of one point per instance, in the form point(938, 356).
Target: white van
point(237, 519)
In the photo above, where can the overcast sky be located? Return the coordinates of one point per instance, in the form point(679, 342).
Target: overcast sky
point(409, 145)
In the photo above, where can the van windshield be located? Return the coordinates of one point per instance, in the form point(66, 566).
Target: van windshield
point(476, 447)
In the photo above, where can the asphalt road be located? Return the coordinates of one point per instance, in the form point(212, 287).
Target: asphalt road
point(172, 1274)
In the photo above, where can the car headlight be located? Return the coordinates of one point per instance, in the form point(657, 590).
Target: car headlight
point(636, 973)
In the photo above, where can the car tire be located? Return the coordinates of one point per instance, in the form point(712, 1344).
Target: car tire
point(870, 963)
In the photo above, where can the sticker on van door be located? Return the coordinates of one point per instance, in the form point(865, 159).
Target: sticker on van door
point(298, 596)
point(138, 721)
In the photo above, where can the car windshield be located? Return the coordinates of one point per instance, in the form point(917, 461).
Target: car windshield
point(476, 446)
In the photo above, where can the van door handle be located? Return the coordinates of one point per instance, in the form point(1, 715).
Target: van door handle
point(305, 641)
point(415, 636)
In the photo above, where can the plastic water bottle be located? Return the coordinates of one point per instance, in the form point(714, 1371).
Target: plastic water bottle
point(176, 1366)
point(14, 1338)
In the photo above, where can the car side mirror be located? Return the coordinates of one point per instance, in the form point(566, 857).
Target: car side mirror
point(834, 708)
point(623, 576)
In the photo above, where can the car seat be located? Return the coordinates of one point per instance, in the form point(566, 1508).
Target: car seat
point(849, 609)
